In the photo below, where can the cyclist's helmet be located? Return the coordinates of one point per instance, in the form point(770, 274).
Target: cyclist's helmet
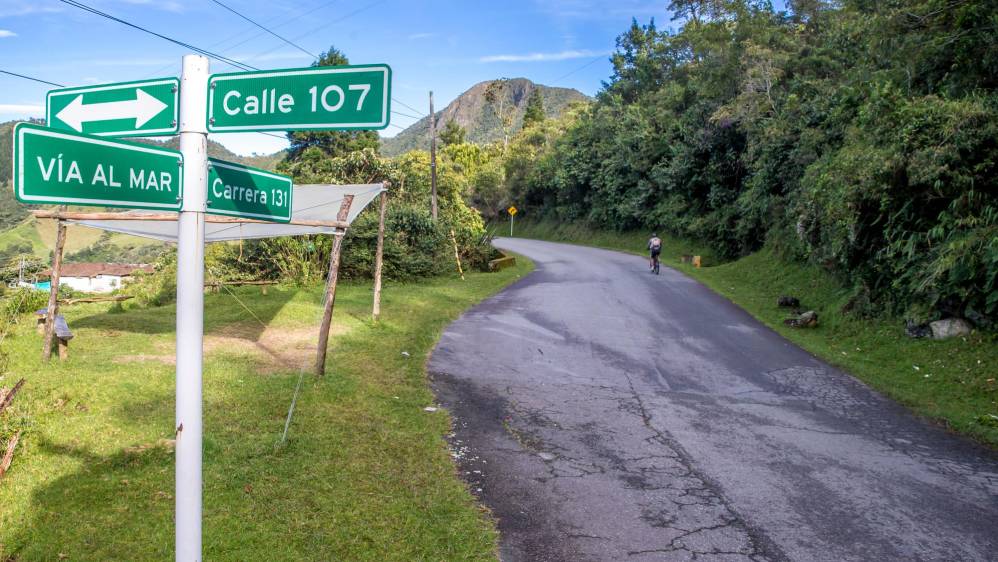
point(653, 235)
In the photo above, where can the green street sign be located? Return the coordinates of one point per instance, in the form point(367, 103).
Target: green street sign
point(59, 168)
point(301, 99)
point(240, 191)
point(129, 109)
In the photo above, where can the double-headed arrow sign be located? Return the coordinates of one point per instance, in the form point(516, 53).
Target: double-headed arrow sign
point(147, 108)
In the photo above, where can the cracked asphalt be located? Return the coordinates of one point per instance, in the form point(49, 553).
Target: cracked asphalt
point(603, 413)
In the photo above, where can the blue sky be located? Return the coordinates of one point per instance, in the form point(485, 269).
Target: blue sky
point(440, 45)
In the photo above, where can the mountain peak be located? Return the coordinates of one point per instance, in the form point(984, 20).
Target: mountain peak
point(471, 110)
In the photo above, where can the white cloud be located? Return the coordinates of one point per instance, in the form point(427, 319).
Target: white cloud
point(169, 6)
point(544, 57)
point(422, 36)
point(21, 108)
point(8, 9)
point(7, 33)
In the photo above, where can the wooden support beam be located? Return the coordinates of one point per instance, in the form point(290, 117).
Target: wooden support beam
point(172, 217)
point(379, 257)
point(7, 396)
point(8, 456)
point(330, 300)
point(457, 254)
point(53, 306)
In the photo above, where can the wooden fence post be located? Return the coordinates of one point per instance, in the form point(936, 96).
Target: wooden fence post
point(53, 307)
point(378, 257)
point(330, 298)
point(457, 255)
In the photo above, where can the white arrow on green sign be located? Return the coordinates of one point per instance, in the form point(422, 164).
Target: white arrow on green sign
point(317, 98)
point(146, 108)
point(60, 168)
point(240, 191)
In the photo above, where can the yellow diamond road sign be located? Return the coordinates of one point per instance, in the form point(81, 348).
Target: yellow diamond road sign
point(511, 210)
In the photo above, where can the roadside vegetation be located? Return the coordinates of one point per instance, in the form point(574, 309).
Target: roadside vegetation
point(952, 382)
point(364, 475)
point(856, 136)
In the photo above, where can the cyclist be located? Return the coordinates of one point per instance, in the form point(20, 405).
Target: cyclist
point(655, 247)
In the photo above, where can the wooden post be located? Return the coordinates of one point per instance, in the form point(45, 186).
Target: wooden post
point(378, 257)
point(457, 254)
point(433, 160)
point(53, 307)
point(8, 456)
point(330, 300)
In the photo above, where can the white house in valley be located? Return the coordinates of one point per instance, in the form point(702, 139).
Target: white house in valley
point(96, 277)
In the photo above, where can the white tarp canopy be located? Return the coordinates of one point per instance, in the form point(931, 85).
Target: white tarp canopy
point(309, 202)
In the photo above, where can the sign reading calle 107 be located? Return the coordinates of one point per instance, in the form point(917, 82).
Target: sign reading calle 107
point(317, 98)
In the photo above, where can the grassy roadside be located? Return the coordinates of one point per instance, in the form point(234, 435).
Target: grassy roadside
point(952, 382)
point(365, 474)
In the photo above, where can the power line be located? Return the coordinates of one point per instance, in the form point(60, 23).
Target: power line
point(327, 24)
point(251, 37)
point(588, 64)
point(265, 29)
point(405, 115)
point(407, 106)
point(32, 79)
point(207, 53)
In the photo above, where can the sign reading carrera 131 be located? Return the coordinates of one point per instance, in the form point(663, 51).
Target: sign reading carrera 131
point(318, 98)
point(240, 191)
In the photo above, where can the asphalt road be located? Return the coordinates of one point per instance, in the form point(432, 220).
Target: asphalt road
point(605, 413)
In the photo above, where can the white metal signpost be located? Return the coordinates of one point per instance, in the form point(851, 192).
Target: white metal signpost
point(66, 163)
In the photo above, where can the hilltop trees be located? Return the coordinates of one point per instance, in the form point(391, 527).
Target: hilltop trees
point(453, 133)
point(534, 112)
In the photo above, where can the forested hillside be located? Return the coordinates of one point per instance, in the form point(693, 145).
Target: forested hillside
point(861, 136)
point(486, 112)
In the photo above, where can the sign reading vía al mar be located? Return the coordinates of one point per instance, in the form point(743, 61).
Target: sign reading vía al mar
point(240, 191)
point(62, 168)
point(316, 98)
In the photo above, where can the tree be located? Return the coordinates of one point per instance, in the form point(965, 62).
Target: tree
point(453, 133)
point(534, 113)
point(333, 143)
point(495, 96)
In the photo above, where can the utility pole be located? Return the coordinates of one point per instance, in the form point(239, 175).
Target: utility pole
point(433, 160)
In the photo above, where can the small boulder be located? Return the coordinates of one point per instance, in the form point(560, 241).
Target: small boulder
point(807, 320)
point(949, 328)
point(788, 302)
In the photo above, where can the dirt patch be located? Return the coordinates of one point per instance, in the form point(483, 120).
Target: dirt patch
point(274, 349)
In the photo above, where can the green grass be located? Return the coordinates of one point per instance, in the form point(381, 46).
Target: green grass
point(365, 474)
point(952, 382)
point(40, 234)
point(24, 233)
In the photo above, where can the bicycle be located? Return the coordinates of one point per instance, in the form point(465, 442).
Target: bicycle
point(655, 263)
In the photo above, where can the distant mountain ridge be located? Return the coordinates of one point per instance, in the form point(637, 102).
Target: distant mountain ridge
point(472, 111)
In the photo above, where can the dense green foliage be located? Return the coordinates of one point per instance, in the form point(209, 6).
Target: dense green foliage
point(859, 136)
point(534, 112)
